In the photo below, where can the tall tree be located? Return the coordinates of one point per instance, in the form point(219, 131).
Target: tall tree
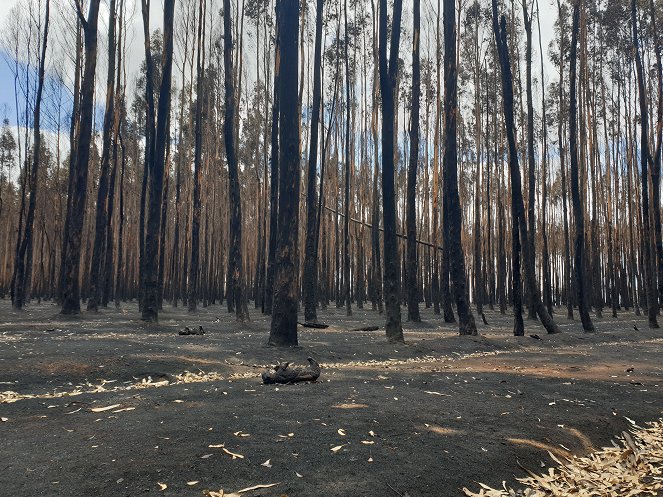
point(192, 297)
point(283, 330)
point(411, 217)
point(346, 182)
point(235, 263)
point(101, 221)
point(567, 272)
point(274, 158)
point(531, 161)
point(150, 311)
point(519, 223)
point(311, 254)
point(466, 324)
point(71, 302)
point(656, 166)
point(388, 86)
point(648, 263)
point(579, 246)
point(23, 263)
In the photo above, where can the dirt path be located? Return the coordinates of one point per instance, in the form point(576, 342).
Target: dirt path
point(425, 418)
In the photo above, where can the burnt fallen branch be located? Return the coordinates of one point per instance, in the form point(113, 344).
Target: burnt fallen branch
point(366, 328)
point(283, 373)
point(321, 326)
point(189, 331)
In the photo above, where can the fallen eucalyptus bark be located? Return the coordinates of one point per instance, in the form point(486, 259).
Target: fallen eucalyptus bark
point(283, 373)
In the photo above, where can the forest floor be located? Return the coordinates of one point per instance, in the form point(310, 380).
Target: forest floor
point(100, 405)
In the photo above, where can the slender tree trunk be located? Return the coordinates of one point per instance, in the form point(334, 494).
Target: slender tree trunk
point(346, 183)
point(22, 278)
point(579, 247)
point(568, 278)
point(235, 263)
point(274, 170)
point(519, 234)
point(150, 310)
point(192, 298)
point(656, 166)
point(466, 322)
point(120, 270)
point(388, 87)
point(96, 286)
point(311, 254)
point(72, 247)
point(284, 313)
point(411, 217)
point(547, 290)
point(73, 135)
point(531, 163)
point(649, 273)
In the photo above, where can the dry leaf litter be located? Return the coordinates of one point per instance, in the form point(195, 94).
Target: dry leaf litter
point(634, 467)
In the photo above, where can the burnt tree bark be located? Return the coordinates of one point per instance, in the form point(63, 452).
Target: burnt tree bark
point(411, 215)
point(579, 247)
point(283, 330)
point(568, 278)
point(235, 263)
point(150, 310)
point(466, 324)
point(649, 273)
point(346, 182)
point(531, 162)
point(23, 266)
point(71, 303)
point(656, 166)
point(311, 254)
point(388, 86)
point(274, 171)
point(96, 284)
point(519, 222)
point(192, 294)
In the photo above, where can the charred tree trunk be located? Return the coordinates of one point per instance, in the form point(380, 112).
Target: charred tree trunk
point(72, 246)
point(235, 263)
point(649, 273)
point(348, 152)
point(192, 297)
point(411, 217)
point(466, 324)
point(96, 285)
point(22, 279)
point(520, 235)
point(656, 166)
point(568, 278)
point(73, 135)
point(284, 313)
point(388, 86)
point(274, 171)
point(150, 310)
point(579, 247)
point(531, 163)
point(311, 253)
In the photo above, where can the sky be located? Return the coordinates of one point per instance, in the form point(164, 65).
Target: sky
point(136, 54)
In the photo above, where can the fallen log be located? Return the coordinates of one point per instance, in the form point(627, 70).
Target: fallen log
point(321, 326)
point(189, 331)
point(283, 373)
point(367, 328)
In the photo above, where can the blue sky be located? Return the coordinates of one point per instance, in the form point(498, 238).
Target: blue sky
point(6, 92)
